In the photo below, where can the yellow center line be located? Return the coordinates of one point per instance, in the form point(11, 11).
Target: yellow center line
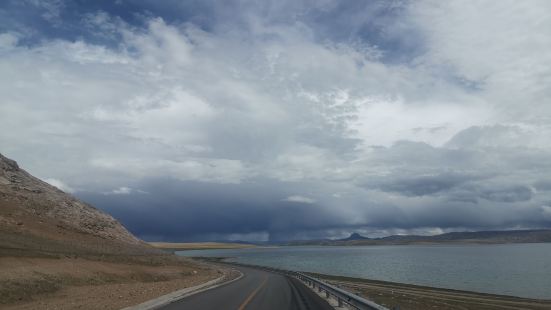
point(248, 300)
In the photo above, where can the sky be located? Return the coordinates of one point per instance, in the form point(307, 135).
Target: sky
point(281, 120)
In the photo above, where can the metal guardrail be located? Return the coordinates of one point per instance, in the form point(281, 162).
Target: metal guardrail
point(343, 297)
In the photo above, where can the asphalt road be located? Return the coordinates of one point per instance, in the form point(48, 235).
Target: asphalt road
point(257, 289)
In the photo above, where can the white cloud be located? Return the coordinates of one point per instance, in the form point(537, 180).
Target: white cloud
point(60, 185)
point(300, 199)
point(382, 121)
point(124, 190)
point(500, 46)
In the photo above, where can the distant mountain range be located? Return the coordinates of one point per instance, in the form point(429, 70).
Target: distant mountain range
point(480, 237)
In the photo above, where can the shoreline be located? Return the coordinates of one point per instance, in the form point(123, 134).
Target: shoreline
point(338, 278)
point(417, 297)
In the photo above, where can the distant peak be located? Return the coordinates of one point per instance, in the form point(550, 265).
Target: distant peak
point(355, 236)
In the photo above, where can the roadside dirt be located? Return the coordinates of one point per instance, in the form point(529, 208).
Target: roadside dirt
point(80, 283)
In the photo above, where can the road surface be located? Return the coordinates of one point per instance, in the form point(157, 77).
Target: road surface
point(258, 289)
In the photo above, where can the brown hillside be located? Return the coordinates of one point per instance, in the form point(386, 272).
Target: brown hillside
point(35, 216)
point(57, 252)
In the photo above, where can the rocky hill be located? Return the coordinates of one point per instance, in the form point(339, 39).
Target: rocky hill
point(353, 237)
point(57, 252)
point(35, 216)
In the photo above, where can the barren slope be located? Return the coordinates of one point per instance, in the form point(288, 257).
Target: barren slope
point(35, 216)
point(57, 252)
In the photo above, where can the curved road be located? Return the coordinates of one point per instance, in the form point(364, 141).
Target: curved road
point(258, 289)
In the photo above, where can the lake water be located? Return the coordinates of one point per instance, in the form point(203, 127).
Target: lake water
point(509, 269)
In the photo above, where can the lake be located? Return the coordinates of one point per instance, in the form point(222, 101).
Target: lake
point(509, 269)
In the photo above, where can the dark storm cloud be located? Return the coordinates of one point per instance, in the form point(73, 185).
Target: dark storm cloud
point(425, 185)
point(184, 211)
point(509, 194)
point(543, 185)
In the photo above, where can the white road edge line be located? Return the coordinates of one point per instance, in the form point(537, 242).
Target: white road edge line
point(183, 293)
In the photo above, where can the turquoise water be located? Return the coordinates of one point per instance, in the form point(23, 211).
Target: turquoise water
point(509, 269)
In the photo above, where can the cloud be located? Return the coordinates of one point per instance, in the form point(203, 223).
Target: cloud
point(60, 185)
point(425, 184)
point(492, 46)
point(299, 199)
point(123, 190)
point(8, 40)
point(546, 210)
point(199, 169)
point(392, 116)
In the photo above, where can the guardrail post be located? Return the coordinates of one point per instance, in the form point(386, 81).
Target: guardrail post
point(327, 294)
point(319, 288)
point(339, 302)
